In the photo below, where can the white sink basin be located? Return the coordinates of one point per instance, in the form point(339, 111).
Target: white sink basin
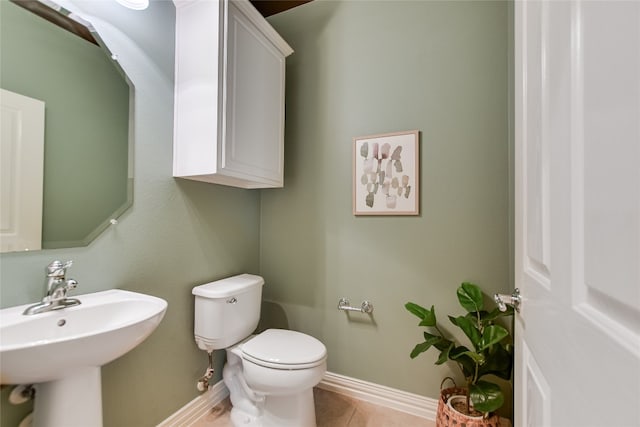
point(54, 345)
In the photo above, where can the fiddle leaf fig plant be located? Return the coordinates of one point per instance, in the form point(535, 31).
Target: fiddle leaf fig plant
point(490, 352)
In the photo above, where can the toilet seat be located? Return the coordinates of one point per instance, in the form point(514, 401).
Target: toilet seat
point(284, 349)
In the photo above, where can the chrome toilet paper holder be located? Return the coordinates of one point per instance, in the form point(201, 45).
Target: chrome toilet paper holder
point(365, 307)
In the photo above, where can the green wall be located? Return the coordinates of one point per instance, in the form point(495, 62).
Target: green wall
point(86, 122)
point(176, 235)
point(369, 67)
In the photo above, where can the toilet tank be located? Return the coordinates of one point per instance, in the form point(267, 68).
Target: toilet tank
point(226, 311)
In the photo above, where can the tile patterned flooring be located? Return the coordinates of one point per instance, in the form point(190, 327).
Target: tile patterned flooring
point(333, 410)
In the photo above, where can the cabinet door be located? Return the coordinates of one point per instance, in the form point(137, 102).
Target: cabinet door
point(254, 116)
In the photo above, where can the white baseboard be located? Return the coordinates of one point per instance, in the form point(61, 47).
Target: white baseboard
point(198, 407)
point(388, 397)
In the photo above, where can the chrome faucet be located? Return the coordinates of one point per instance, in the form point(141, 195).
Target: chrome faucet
point(57, 286)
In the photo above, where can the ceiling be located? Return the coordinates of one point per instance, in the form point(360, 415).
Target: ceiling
point(271, 7)
point(265, 7)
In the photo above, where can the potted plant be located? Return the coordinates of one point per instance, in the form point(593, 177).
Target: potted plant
point(490, 353)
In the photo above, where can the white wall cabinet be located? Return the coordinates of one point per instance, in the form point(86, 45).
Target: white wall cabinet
point(229, 95)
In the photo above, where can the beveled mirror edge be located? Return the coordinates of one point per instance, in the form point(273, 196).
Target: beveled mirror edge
point(60, 16)
point(111, 220)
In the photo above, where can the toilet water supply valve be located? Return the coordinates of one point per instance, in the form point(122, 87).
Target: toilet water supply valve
point(203, 382)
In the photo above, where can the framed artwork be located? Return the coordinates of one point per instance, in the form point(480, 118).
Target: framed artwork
point(386, 174)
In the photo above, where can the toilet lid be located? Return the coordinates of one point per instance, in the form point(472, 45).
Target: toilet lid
point(282, 347)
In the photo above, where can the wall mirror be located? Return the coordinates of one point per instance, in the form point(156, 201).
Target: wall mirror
point(86, 156)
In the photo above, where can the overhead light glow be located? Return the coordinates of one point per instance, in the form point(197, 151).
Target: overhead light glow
point(134, 4)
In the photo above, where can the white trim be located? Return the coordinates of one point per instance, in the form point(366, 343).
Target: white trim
point(388, 397)
point(199, 407)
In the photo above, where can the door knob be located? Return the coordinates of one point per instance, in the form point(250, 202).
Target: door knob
point(503, 300)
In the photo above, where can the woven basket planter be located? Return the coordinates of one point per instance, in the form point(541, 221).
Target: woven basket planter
point(448, 417)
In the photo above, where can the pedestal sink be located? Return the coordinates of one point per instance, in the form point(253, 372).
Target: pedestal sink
point(61, 351)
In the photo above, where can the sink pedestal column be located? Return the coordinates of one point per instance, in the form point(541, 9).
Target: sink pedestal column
point(75, 400)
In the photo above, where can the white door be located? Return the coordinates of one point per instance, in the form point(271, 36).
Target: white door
point(577, 169)
point(21, 172)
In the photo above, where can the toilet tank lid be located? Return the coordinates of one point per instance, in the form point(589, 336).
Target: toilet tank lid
point(228, 287)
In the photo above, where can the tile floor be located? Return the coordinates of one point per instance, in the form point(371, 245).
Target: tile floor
point(333, 410)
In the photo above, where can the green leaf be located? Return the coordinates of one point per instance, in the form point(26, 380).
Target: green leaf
point(437, 341)
point(496, 313)
point(419, 348)
point(444, 354)
point(473, 317)
point(428, 336)
point(428, 317)
point(457, 351)
point(422, 347)
point(415, 309)
point(486, 396)
point(470, 297)
point(461, 356)
point(499, 362)
point(443, 344)
point(478, 358)
point(469, 329)
point(492, 334)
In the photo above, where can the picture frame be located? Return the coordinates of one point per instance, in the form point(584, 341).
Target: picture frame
point(386, 174)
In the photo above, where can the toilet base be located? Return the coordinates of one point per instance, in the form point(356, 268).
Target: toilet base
point(297, 410)
point(239, 418)
point(290, 411)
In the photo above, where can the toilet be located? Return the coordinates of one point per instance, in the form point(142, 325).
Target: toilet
point(271, 375)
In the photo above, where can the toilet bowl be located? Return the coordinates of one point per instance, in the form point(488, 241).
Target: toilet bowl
point(271, 375)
